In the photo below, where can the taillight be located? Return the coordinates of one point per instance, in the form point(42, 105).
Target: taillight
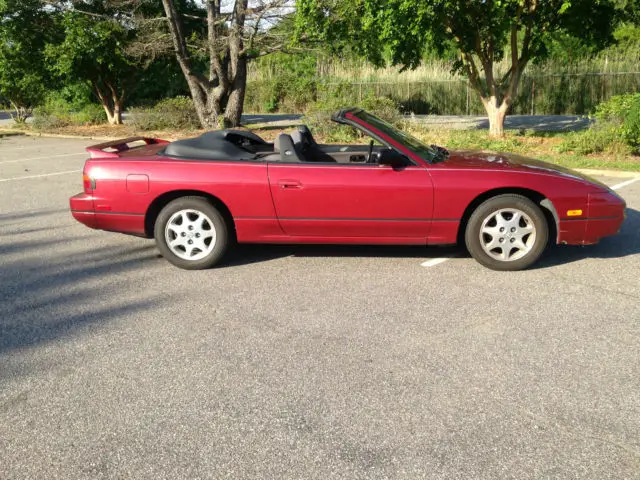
point(88, 183)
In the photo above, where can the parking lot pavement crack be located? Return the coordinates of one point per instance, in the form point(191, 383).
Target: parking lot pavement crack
point(598, 288)
point(13, 402)
point(567, 430)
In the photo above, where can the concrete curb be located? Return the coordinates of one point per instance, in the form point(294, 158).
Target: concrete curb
point(10, 134)
point(84, 137)
point(68, 137)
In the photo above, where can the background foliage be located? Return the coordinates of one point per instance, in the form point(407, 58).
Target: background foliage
point(47, 55)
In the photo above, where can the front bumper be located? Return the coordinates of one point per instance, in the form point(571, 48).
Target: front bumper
point(604, 217)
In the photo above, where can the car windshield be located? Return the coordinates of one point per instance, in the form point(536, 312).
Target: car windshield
point(412, 143)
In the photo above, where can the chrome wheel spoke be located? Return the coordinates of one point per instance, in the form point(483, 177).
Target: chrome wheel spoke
point(190, 234)
point(503, 232)
point(501, 221)
point(198, 223)
point(493, 231)
point(526, 229)
point(178, 241)
point(200, 246)
point(519, 244)
point(493, 244)
point(176, 229)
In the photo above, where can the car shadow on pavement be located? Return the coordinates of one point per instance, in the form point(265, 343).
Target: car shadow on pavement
point(624, 244)
point(245, 254)
point(49, 291)
point(28, 215)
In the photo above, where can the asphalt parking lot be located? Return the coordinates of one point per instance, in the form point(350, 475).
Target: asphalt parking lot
point(305, 362)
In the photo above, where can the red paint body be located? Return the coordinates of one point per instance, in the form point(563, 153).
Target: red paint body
point(274, 202)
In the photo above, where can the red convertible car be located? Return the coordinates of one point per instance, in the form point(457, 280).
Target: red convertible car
point(197, 197)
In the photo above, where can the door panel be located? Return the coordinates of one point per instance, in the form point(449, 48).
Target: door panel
point(336, 200)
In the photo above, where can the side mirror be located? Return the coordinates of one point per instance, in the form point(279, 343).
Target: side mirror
point(391, 158)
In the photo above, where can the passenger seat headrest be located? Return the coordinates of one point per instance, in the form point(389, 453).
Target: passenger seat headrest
point(277, 143)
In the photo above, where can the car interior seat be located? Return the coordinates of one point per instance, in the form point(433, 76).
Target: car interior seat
point(284, 145)
point(307, 146)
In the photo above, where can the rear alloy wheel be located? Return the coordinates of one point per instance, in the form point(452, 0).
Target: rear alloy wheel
point(507, 232)
point(191, 233)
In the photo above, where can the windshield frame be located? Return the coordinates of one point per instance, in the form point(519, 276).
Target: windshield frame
point(388, 134)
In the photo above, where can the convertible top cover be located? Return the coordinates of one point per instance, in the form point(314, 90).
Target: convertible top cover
point(216, 145)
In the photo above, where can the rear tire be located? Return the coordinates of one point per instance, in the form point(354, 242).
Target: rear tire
point(191, 233)
point(507, 233)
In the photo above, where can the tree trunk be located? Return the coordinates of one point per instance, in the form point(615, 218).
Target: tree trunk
point(222, 91)
point(112, 104)
point(496, 116)
point(235, 103)
point(21, 113)
point(114, 113)
point(116, 119)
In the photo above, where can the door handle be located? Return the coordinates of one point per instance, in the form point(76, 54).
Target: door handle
point(289, 184)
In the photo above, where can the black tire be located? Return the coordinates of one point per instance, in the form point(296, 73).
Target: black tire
point(492, 214)
point(214, 229)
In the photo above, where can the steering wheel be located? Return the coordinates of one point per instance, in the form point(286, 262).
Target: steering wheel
point(370, 154)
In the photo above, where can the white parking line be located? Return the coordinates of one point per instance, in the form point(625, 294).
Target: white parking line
point(39, 176)
point(42, 158)
point(29, 147)
point(435, 261)
point(624, 184)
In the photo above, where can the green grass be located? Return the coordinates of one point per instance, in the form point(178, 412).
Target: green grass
point(604, 163)
point(547, 146)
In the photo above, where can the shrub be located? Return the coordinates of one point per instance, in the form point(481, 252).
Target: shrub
point(631, 125)
point(383, 107)
point(318, 115)
point(600, 138)
point(281, 82)
point(58, 112)
point(90, 114)
point(170, 113)
point(616, 108)
point(617, 130)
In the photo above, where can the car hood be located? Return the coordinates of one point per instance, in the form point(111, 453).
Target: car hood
point(474, 159)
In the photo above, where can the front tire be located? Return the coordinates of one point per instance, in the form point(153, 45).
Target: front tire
point(191, 233)
point(507, 233)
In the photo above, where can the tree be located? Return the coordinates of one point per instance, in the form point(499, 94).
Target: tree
point(483, 33)
point(234, 36)
point(93, 49)
point(24, 30)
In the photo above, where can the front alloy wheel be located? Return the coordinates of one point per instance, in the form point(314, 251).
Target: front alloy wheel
point(507, 235)
point(507, 232)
